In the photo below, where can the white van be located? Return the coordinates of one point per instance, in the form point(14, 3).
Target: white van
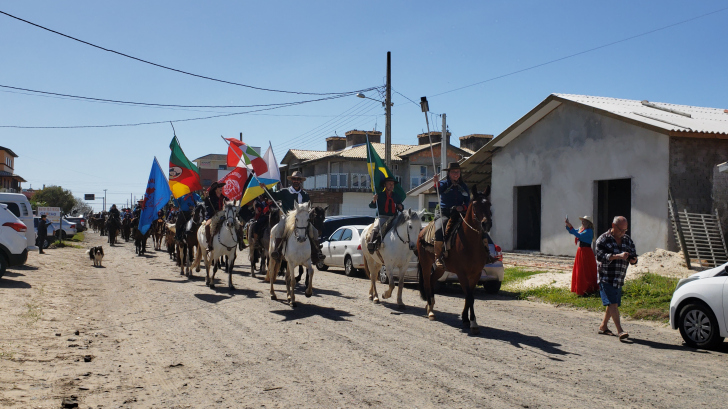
point(19, 205)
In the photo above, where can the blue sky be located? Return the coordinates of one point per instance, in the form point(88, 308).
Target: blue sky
point(320, 46)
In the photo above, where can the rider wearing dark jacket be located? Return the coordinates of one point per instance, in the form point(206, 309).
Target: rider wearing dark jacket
point(114, 212)
point(454, 199)
point(214, 202)
point(387, 205)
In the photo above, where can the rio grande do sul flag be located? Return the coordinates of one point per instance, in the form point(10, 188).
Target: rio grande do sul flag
point(184, 177)
point(241, 155)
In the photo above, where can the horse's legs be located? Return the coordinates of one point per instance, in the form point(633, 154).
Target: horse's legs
point(309, 278)
point(271, 265)
point(291, 286)
point(390, 276)
point(373, 278)
point(300, 273)
point(229, 268)
point(400, 285)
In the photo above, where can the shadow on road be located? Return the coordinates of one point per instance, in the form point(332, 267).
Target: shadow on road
point(9, 273)
point(24, 267)
point(312, 310)
point(723, 348)
point(318, 292)
point(13, 284)
point(213, 298)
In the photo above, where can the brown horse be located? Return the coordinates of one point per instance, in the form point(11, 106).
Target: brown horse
point(157, 230)
point(466, 258)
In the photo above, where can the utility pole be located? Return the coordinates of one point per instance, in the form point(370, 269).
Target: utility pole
point(388, 112)
point(105, 199)
point(241, 136)
point(444, 143)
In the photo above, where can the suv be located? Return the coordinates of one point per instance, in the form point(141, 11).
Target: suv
point(80, 222)
point(19, 205)
point(13, 243)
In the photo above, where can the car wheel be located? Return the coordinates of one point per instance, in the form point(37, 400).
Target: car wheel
point(492, 286)
point(3, 265)
point(321, 266)
point(383, 277)
point(349, 269)
point(698, 326)
point(46, 243)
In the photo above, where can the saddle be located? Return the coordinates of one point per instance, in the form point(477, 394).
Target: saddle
point(428, 239)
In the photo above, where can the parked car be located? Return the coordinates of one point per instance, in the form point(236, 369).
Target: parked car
point(69, 229)
point(699, 308)
point(342, 249)
point(13, 242)
point(80, 222)
point(491, 277)
point(19, 205)
point(332, 223)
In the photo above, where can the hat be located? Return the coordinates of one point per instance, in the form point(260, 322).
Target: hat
point(216, 185)
point(452, 166)
point(388, 179)
point(296, 174)
point(587, 218)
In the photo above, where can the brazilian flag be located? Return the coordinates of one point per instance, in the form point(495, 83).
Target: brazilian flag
point(378, 171)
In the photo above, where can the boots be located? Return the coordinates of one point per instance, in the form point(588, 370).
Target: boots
point(276, 254)
point(208, 235)
point(449, 228)
point(373, 241)
point(316, 254)
point(439, 265)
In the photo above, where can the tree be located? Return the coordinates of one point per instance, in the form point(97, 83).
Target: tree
point(80, 207)
point(55, 196)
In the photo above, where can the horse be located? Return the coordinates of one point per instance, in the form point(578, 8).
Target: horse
point(395, 252)
point(225, 241)
point(126, 229)
point(157, 229)
point(466, 258)
point(259, 248)
point(140, 240)
point(170, 230)
point(186, 240)
point(296, 252)
point(113, 225)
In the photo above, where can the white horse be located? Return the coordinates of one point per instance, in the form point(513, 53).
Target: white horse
point(296, 252)
point(224, 243)
point(396, 251)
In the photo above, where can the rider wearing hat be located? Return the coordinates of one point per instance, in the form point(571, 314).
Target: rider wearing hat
point(214, 202)
point(287, 197)
point(388, 204)
point(454, 199)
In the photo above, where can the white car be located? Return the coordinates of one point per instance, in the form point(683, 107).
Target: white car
point(13, 243)
point(699, 308)
point(69, 229)
point(342, 249)
point(491, 277)
point(19, 205)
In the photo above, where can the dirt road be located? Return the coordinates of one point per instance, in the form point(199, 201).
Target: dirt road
point(155, 339)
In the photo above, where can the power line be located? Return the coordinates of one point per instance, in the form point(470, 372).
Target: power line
point(584, 52)
point(178, 70)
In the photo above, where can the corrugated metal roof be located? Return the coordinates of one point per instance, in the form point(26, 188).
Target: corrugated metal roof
point(212, 156)
point(671, 117)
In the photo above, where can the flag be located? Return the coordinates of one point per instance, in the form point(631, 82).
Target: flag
point(156, 196)
point(241, 155)
point(184, 177)
point(187, 202)
point(269, 178)
point(235, 183)
point(378, 171)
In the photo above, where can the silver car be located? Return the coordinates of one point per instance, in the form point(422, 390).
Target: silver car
point(342, 249)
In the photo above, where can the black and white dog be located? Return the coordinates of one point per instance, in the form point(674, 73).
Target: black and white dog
point(96, 254)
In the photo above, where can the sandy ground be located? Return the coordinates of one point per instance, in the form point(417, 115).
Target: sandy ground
point(155, 339)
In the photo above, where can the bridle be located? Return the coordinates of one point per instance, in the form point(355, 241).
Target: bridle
point(229, 220)
point(304, 228)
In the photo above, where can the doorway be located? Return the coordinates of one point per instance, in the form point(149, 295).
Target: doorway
point(528, 217)
point(614, 198)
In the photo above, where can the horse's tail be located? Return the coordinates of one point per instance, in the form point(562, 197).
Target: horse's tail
point(421, 281)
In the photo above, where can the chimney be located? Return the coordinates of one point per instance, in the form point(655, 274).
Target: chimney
point(356, 137)
point(475, 141)
point(422, 138)
point(335, 143)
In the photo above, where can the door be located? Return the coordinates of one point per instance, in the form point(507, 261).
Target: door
point(528, 217)
point(346, 244)
point(333, 246)
point(614, 198)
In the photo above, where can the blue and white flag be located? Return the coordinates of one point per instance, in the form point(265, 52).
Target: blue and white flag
point(156, 196)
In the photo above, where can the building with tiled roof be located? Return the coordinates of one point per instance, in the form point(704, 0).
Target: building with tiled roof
point(9, 181)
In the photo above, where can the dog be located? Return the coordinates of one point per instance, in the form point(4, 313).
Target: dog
point(96, 254)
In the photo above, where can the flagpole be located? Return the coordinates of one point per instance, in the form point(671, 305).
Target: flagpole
point(371, 176)
point(434, 168)
point(265, 188)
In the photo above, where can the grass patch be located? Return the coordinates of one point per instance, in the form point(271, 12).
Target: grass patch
point(60, 244)
point(33, 312)
point(515, 274)
point(78, 237)
point(5, 353)
point(647, 297)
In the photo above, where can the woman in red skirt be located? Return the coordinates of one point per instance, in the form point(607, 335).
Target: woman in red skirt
point(584, 274)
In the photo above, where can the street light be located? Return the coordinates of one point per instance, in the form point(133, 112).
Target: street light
point(360, 95)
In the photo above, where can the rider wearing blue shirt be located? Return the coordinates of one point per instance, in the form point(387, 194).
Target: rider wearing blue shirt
point(454, 199)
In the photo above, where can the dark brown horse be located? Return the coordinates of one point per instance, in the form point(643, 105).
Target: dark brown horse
point(466, 258)
point(157, 230)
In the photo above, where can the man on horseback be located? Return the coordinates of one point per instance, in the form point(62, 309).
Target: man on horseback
point(214, 202)
point(287, 197)
point(114, 212)
point(127, 214)
point(454, 199)
point(388, 206)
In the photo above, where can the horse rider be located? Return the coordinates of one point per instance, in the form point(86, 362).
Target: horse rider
point(454, 199)
point(287, 197)
point(388, 205)
point(114, 212)
point(172, 214)
point(127, 214)
point(262, 215)
point(214, 202)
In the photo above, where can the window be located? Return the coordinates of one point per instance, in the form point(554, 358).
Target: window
point(206, 182)
point(347, 235)
point(222, 167)
point(336, 236)
point(14, 208)
point(418, 175)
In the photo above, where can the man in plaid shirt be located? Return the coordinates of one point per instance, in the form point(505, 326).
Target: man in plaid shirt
point(615, 251)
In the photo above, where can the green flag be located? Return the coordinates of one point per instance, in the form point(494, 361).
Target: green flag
point(378, 171)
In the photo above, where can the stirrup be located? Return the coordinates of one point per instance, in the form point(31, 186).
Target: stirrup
point(276, 255)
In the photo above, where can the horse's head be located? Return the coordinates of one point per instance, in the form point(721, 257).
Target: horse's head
point(230, 212)
point(413, 223)
point(301, 220)
point(480, 207)
point(317, 215)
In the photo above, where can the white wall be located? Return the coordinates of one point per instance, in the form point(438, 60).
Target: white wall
point(565, 153)
point(356, 203)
